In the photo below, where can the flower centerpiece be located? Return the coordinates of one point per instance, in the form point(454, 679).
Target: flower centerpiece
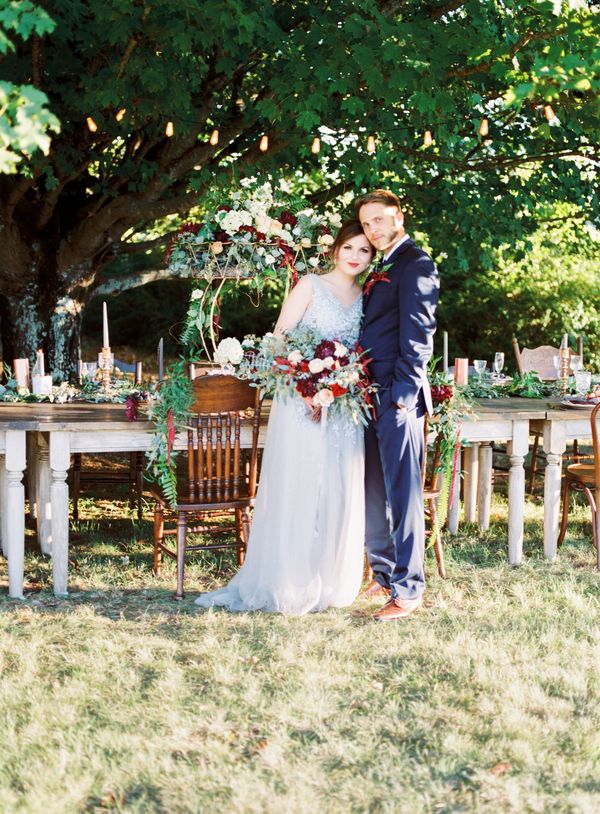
point(257, 234)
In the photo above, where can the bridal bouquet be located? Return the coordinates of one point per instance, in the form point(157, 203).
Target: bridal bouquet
point(328, 371)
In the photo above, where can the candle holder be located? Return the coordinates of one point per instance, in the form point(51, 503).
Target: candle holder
point(106, 364)
point(564, 370)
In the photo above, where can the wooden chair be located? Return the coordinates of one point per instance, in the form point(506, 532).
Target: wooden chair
point(216, 480)
point(431, 492)
point(585, 478)
point(133, 476)
point(541, 360)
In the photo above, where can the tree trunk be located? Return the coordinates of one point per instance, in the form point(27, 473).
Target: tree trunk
point(38, 320)
point(40, 305)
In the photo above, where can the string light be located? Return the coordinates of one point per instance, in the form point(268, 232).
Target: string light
point(316, 146)
point(484, 127)
point(137, 144)
point(548, 112)
point(120, 113)
point(427, 139)
point(169, 130)
point(264, 144)
point(214, 138)
point(92, 126)
point(371, 144)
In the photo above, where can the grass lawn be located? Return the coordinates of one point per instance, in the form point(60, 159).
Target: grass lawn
point(118, 699)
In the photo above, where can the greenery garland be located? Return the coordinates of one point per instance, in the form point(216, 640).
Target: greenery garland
point(170, 414)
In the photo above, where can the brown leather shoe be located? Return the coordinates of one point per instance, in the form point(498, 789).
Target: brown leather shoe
point(398, 609)
point(375, 591)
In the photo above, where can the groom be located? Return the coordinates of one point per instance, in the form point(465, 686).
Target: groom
point(399, 303)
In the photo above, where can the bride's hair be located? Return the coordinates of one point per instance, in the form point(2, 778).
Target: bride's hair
point(348, 230)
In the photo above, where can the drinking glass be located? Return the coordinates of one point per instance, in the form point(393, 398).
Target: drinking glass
point(583, 382)
point(88, 370)
point(556, 363)
point(498, 363)
point(576, 364)
point(480, 366)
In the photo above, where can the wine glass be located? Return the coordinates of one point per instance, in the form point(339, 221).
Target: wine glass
point(576, 364)
point(498, 363)
point(480, 366)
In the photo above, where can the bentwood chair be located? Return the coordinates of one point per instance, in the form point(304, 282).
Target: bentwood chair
point(217, 482)
point(584, 477)
point(541, 361)
point(133, 475)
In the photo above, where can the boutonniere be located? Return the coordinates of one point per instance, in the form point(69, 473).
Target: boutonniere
point(376, 277)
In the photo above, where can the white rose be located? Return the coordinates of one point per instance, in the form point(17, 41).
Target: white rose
point(325, 240)
point(328, 362)
point(316, 366)
point(263, 223)
point(306, 242)
point(324, 397)
point(275, 225)
point(295, 357)
point(340, 350)
point(216, 247)
point(197, 294)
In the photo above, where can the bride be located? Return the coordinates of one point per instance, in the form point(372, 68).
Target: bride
point(305, 551)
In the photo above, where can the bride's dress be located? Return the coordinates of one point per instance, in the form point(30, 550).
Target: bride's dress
point(305, 551)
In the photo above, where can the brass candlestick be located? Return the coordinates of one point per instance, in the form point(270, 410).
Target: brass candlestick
point(106, 367)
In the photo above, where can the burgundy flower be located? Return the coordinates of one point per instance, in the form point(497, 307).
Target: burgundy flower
point(306, 388)
point(287, 218)
point(222, 236)
point(324, 349)
point(131, 408)
point(441, 393)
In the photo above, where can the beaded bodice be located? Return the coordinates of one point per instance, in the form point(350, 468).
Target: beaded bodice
point(328, 317)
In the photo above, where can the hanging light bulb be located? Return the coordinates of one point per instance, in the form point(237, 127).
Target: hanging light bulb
point(92, 126)
point(137, 144)
point(484, 127)
point(169, 130)
point(120, 113)
point(264, 144)
point(427, 139)
point(316, 146)
point(214, 138)
point(548, 112)
point(371, 144)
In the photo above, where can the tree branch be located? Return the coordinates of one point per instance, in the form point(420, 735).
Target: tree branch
point(117, 285)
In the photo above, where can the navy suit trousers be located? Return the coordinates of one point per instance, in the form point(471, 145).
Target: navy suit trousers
point(395, 528)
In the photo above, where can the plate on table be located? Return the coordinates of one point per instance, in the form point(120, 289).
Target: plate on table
point(579, 403)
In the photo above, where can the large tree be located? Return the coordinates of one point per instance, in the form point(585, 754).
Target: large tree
point(117, 72)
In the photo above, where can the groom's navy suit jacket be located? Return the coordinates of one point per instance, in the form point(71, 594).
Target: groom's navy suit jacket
point(398, 328)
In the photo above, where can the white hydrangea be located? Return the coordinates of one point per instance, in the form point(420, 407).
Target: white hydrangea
point(235, 219)
point(229, 351)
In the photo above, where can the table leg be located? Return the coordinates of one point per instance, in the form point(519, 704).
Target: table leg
point(484, 499)
point(454, 507)
point(59, 507)
point(32, 474)
point(471, 479)
point(43, 486)
point(15, 511)
point(3, 537)
point(517, 449)
point(554, 446)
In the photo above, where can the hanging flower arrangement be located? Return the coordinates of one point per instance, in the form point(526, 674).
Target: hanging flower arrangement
point(256, 235)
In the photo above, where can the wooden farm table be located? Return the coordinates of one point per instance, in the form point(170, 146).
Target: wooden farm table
point(55, 432)
point(559, 425)
point(506, 419)
point(58, 430)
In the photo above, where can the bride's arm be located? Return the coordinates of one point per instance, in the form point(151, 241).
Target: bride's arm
point(294, 307)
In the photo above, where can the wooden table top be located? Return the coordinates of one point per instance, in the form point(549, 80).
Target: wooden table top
point(47, 417)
